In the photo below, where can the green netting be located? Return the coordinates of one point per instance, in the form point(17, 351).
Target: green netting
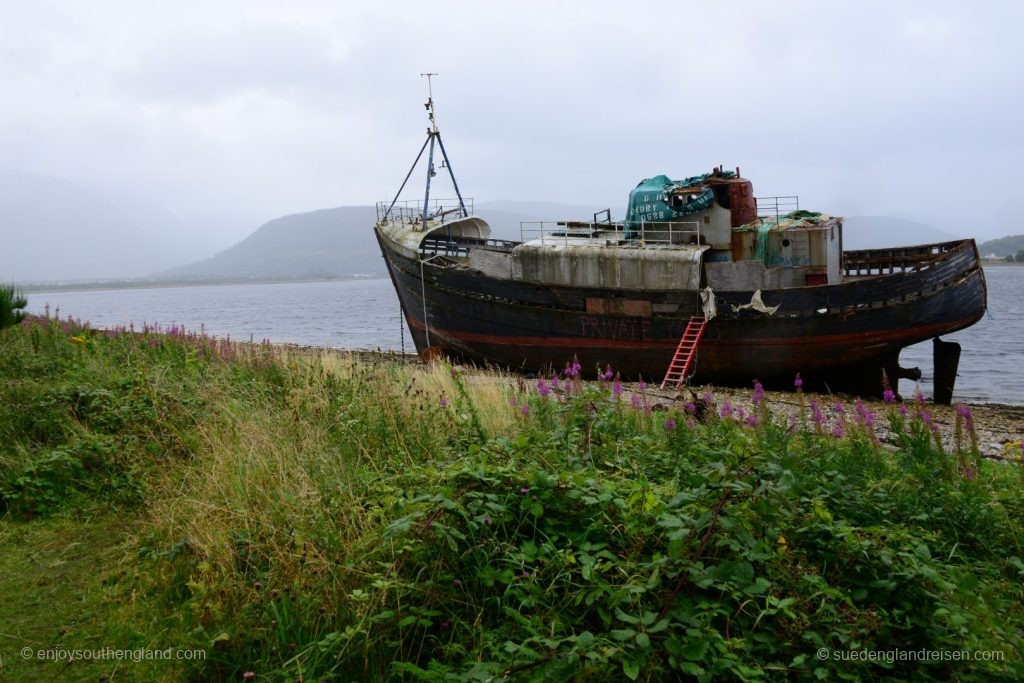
point(649, 200)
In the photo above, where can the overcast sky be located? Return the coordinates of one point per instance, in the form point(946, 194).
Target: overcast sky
point(253, 109)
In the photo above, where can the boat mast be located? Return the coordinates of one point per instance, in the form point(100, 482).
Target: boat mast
point(433, 136)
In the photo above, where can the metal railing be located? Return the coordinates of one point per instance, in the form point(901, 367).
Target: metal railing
point(565, 233)
point(776, 206)
point(411, 211)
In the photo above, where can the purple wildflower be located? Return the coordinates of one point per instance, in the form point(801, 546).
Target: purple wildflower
point(691, 423)
point(670, 424)
point(608, 374)
point(902, 410)
point(752, 420)
point(524, 490)
point(554, 383)
point(514, 401)
point(798, 383)
point(524, 409)
point(636, 401)
point(690, 408)
point(837, 430)
point(726, 410)
point(707, 397)
point(816, 414)
point(542, 387)
point(838, 408)
point(889, 396)
point(617, 389)
point(758, 396)
point(443, 402)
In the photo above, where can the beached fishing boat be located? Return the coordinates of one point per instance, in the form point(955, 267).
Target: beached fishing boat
point(701, 282)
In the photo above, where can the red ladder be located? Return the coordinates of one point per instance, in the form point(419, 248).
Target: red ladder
point(679, 368)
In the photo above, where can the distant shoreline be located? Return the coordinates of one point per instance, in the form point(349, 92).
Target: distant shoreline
point(164, 284)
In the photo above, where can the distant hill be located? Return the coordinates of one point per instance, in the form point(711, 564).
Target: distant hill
point(868, 232)
point(57, 230)
point(1003, 246)
point(336, 242)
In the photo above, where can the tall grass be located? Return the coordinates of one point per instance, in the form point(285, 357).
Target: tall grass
point(316, 514)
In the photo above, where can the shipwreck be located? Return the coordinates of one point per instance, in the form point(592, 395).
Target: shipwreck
point(701, 282)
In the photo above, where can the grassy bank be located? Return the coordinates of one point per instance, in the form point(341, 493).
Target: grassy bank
point(303, 514)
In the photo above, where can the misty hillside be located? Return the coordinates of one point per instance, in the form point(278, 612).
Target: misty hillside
point(56, 230)
point(1003, 246)
point(336, 242)
point(868, 232)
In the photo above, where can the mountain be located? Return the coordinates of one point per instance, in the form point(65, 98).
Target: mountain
point(1003, 246)
point(334, 242)
point(869, 232)
point(57, 230)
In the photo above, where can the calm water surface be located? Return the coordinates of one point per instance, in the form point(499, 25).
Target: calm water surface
point(365, 314)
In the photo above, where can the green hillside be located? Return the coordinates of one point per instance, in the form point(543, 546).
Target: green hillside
point(336, 242)
point(1003, 246)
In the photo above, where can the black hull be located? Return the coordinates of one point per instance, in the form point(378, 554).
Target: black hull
point(836, 336)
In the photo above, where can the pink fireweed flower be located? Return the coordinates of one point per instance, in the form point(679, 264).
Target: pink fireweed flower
point(642, 385)
point(919, 397)
point(837, 430)
point(514, 401)
point(902, 409)
point(798, 383)
point(838, 407)
point(690, 408)
point(636, 401)
point(965, 413)
point(524, 409)
point(670, 424)
point(752, 420)
point(542, 387)
point(617, 389)
point(443, 402)
point(524, 490)
point(554, 383)
point(816, 413)
point(889, 396)
point(608, 374)
point(707, 397)
point(726, 410)
point(758, 395)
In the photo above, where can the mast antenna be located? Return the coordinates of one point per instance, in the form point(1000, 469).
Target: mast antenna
point(433, 137)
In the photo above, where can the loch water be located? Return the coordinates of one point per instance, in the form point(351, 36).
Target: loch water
point(364, 314)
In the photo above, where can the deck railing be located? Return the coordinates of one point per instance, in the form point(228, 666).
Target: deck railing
point(776, 206)
point(567, 233)
point(411, 211)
